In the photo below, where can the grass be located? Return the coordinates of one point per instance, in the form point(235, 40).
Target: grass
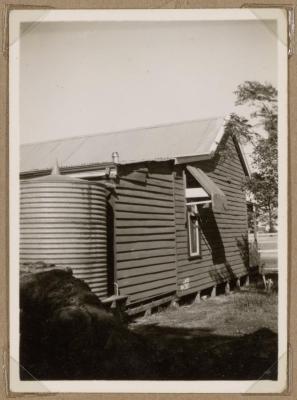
point(243, 311)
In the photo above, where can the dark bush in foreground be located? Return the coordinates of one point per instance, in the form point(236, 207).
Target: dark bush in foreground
point(66, 332)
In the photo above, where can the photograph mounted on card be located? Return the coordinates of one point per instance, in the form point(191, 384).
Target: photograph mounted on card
point(148, 201)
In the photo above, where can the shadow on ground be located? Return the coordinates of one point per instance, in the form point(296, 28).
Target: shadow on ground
point(197, 354)
point(164, 353)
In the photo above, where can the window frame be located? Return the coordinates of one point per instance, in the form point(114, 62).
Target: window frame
point(192, 254)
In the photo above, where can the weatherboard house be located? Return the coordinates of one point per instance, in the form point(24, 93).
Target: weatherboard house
point(170, 200)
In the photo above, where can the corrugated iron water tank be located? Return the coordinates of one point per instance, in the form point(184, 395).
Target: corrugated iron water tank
point(63, 222)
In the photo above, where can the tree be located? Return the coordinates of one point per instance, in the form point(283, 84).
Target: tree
point(240, 128)
point(263, 99)
point(263, 184)
point(265, 195)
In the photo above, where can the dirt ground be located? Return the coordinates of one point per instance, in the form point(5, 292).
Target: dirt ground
point(225, 337)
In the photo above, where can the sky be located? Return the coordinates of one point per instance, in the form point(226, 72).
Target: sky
point(81, 78)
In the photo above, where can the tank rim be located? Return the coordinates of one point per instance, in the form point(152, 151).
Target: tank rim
point(60, 179)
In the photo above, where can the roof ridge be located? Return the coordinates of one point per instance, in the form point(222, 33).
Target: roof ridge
point(117, 132)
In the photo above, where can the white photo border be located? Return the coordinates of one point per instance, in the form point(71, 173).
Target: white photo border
point(39, 16)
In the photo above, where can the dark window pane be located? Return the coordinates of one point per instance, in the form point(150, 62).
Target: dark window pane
point(193, 235)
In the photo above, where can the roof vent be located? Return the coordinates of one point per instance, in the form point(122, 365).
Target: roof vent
point(115, 157)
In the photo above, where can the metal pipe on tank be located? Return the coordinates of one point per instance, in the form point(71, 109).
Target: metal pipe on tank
point(56, 169)
point(116, 287)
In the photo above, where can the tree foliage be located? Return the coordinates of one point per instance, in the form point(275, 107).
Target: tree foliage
point(265, 193)
point(240, 128)
point(263, 184)
point(263, 99)
point(253, 91)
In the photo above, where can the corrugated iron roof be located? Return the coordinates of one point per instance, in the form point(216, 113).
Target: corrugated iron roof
point(163, 142)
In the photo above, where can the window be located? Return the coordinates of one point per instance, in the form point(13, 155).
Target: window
point(201, 193)
point(195, 195)
point(193, 231)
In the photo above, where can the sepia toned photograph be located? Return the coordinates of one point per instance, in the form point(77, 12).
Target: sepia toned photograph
point(148, 192)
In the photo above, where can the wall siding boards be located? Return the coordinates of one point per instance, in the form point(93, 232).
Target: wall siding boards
point(145, 232)
point(220, 232)
point(151, 239)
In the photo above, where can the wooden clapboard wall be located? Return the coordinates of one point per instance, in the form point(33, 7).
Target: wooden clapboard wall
point(221, 233)
point(145, 252)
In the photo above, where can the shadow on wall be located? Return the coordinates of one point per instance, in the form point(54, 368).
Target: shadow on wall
point(250, 254)
point(243, 246)
point(221, 270)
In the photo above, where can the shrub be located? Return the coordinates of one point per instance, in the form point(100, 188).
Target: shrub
point(67, 333)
